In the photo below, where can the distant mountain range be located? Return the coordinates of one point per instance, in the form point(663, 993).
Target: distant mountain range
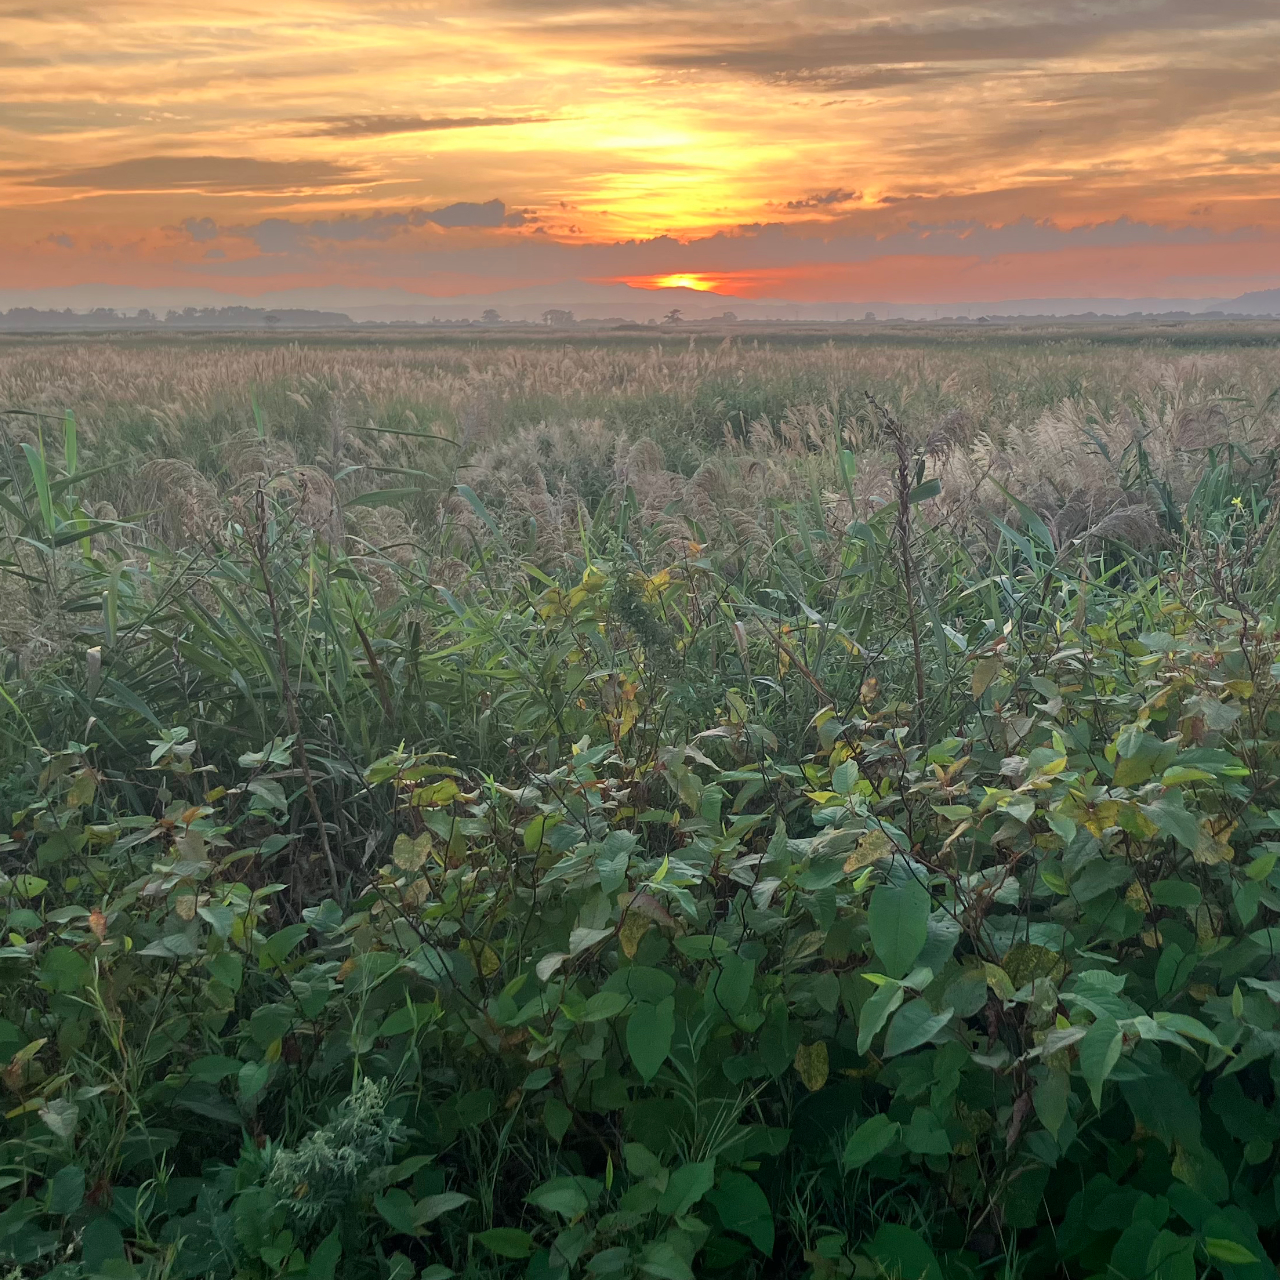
point(104, 306)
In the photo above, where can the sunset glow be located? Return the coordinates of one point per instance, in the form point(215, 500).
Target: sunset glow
point(776, 148)
point(701, 283)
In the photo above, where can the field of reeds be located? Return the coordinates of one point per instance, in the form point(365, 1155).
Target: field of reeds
point(779, 805)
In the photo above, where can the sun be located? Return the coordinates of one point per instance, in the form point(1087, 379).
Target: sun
point(701, 283)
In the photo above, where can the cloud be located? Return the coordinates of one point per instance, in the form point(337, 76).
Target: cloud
point(381, 126)
point(871, 49)
point(370, 248)
point(836, 196)
point(200, 229)
point(212, 174)
point(61, 239)
point(284, 235)
point(493, 213)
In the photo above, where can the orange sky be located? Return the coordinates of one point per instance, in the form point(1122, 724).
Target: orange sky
point(810, 149)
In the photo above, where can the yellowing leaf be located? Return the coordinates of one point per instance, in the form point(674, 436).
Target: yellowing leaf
point(998, 981)
point(984, 674)
point(1136, 898)
point(486, 958)
point(410, 855)
point(634, 927)
point(1102, 816)
point(438, 793)
point(1213, 847)
point(1026, 961)
point(82, 789)
point(813, 1065)
point(871, 847)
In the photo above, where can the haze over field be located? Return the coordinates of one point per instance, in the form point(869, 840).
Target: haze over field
point(849, 154)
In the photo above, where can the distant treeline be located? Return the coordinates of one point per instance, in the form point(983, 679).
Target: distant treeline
point(188, 317)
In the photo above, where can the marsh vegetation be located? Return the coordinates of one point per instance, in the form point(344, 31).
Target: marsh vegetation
point(636, 809)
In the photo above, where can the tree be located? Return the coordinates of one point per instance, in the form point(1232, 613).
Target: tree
point(674, 316)
point(557, 319)
point(272, 320)
point(489, 316)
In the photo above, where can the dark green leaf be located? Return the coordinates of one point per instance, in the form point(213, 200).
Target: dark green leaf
point(869, 1139)
point(649, 1033)
point(507, 1242)
point(899, 921)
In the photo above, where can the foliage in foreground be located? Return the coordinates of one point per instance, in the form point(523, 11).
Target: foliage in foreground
point(722, 915)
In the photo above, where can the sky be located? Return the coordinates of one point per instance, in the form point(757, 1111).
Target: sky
point(814, 150)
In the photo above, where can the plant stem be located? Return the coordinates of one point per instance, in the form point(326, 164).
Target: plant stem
point(261, 548)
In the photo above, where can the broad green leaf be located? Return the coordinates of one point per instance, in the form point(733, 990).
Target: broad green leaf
point(686, 1186)
point(1175, 893)
point(1099, 1052)
point(227, 968)
point(641, 1162)
point(253, 1079)
point(324, 1261)
point(903, 1253)
point(1171, 817)
point(507, 1242)
point(1187, 1026)
point(729, 987)
point(66, 1190)
point(913, 1025)
point(397, 1209)
point(1172, 1257)
point(603, 1005)
point(1222, 1250)
point(875, 1013)
point(64, 969)
point(661, 1261)
point(743, 1207)
point(925, 1134)
point(557, 1118)
point(565, 1196)
point(899, 921)
point(1050, 1098)
point(869, 1139)
point(581, 939)
point(429, 1208)
point(649, 1033)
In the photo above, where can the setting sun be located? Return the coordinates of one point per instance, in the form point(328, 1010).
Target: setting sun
point(701, 283)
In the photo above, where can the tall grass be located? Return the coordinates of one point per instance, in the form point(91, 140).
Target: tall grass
point(399, 612)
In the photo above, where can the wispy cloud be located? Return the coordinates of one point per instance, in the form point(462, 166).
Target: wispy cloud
point(202, 173)
point(385, 126)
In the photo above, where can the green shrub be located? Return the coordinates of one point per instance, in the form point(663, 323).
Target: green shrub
point(898, 1003)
